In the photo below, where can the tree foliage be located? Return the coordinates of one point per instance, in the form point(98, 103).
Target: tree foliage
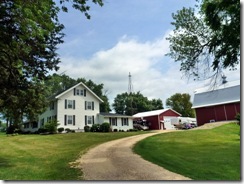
point(57, 83)
point(130, 104)
point(181, 103)
point(29, 34)
point(206, 41)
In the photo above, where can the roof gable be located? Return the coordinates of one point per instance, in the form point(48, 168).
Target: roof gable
point(82, 84)
point(223, 94)
point(152, 113)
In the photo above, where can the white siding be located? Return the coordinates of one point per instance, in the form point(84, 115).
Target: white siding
point(80, 112)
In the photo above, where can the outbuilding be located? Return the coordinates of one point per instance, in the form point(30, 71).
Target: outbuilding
point(157, 119)
point(219, 104)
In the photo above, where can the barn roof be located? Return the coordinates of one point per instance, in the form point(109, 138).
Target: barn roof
point(223, 94)
point(152, 113)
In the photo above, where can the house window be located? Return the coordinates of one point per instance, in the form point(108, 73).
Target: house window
point(42, 122)
point(124, 121)
point(81, 92)
point(34, 125)
point(89, 120)
point(69, 104)
point(69, 120)
point(89, 105)
point(113, 121)
point(77, 92)
point(52, 106)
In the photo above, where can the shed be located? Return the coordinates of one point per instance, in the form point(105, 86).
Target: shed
point(158, 118)
point(219, 104)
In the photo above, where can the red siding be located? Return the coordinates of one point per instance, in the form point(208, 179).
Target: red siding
point(217, 113)
point(153, 120)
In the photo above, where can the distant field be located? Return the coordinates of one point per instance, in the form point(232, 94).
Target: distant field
point(47, 157)
point(212, 154)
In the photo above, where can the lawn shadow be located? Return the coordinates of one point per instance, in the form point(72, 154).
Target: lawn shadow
point(4, 162)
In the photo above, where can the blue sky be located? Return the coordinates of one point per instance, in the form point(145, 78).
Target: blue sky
point(126, 36)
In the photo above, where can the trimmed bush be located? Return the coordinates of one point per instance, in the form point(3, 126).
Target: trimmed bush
point(95, 128)
point(61, 129)
point(115, 130)
point(87, 128)
point(67, 130)
point(105, 127)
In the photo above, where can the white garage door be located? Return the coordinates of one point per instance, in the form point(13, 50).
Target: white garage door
point(167, 123)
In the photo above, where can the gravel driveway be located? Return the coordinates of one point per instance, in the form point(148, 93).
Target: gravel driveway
point(115, 160)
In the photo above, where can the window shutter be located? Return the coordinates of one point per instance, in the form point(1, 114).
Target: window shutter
point(65, 119)
point(93, 120)
point(92, 105)
point(74, 91)
point(116, 121)
point(73, 104)
point(65, 104)
point(74, 120)
point(84, 92)
point(85, 105)
point(85, 120)
point(122, 122)
point(110, 121)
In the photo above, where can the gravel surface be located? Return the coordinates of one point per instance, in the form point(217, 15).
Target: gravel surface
point(115, 160)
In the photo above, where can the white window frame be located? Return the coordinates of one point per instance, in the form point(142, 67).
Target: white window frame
point(70, 104)
point(89, 105)
point(69, 120)
point(125, 121)
point(89, 120)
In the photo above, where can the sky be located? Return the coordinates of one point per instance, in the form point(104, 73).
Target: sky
point(122, 37)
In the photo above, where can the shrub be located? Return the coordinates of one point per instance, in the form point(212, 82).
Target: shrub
point(115, 130)
point(87, 128)
point(67, 130)
point(61, 129)
point(95, 128)
point(42, 130)
point(51, 126)
point(105, 127)
point(238, 117)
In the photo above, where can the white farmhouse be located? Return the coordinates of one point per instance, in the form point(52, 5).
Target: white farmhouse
point(76, 107)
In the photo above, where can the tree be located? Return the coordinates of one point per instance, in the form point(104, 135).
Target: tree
point(130, 104)
point(208, 39)
point(181, 103)
point(29, 35)
point(57, 83)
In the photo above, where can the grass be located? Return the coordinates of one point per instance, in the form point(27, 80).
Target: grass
point(47, 157)
point(200, 154)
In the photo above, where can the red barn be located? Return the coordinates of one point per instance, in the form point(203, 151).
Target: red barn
point(219, 104)
point(157, 118)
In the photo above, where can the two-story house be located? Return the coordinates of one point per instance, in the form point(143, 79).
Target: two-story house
point(73, 108)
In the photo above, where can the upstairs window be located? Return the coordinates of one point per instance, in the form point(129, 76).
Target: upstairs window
point(69, 104)
point(89, 105)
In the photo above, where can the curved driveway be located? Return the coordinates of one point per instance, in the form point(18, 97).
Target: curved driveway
point(115, 160)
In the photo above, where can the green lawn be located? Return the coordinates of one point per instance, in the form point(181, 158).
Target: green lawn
point(200, 154)
point(47, 157)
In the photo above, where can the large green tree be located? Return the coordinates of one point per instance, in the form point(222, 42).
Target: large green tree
point(29, 35)
point(132, 103)
point(57, 83)
point(206, 41)
point(181, 103)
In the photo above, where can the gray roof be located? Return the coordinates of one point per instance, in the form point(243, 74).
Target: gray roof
point(223, 94)
point(108, 114)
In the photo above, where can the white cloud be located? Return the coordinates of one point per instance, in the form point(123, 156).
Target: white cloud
point(153, 74)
